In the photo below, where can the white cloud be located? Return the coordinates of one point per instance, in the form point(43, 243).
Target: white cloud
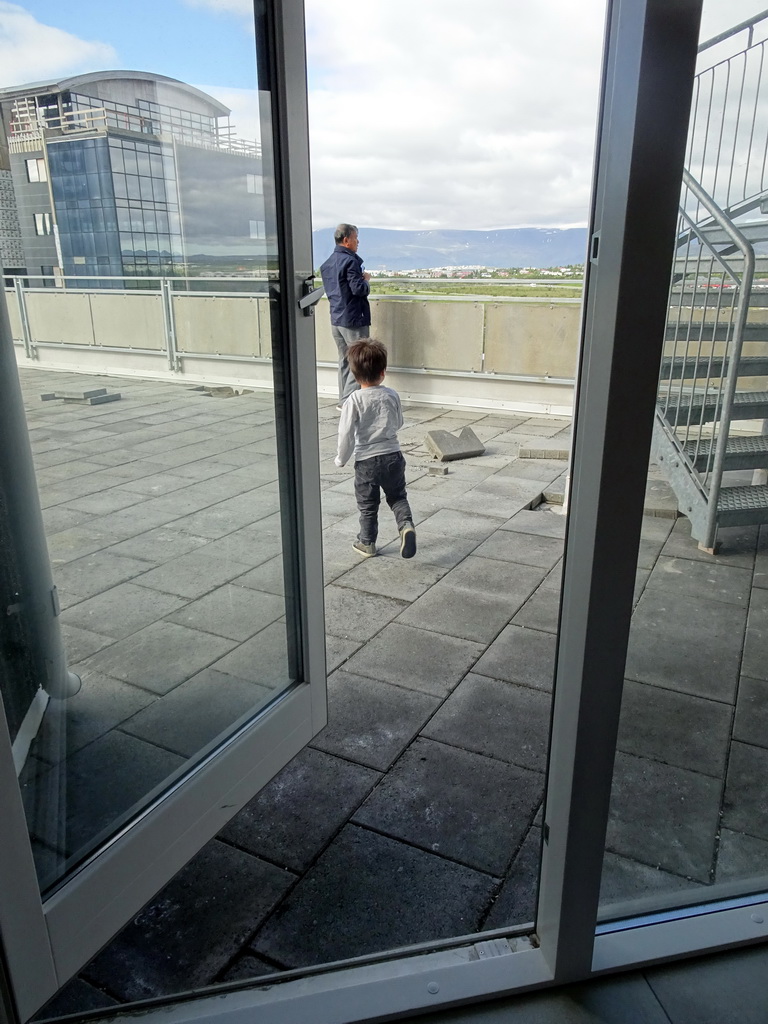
point(453, 114)
point(31, 51)
point(450, 114)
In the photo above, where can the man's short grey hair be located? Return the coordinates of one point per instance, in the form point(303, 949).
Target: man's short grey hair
point(344, 231)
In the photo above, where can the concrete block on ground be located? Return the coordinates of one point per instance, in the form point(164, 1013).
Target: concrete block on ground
point(546, 448)
point(73, 395)
point(438, 470)
point(446, 446)
point(92, 400)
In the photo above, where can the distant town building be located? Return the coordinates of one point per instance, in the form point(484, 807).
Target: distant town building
point(124, 173)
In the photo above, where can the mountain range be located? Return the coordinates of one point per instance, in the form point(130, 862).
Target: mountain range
point(389, 249)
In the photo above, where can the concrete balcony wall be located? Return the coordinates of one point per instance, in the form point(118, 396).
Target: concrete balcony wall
point(506, 355)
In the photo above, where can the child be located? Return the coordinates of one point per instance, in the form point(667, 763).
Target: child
point(370, 419)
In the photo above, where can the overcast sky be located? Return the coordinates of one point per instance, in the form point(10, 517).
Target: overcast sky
point(423, 113)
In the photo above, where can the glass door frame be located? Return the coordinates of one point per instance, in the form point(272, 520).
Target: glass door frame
point(46, 941)
point(649, 64)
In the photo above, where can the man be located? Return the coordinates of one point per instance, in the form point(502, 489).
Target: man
point(347, 288)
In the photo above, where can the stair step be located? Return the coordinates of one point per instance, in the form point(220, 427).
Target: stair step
point(740, 452)
point(743, 506)
point(747, 405)
point(678, 366)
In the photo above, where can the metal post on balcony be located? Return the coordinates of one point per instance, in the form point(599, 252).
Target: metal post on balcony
point(21, 299)
point(169, 322)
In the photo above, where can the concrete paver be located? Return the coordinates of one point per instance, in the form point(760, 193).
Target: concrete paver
point(451, 654)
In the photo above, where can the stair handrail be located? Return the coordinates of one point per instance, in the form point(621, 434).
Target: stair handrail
point(748, 24)
point(719, 147)
point(737, 340)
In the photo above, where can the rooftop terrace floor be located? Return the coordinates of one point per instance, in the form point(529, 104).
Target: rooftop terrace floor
point(415, 815)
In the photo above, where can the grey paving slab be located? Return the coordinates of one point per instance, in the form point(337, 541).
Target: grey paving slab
point(338, 651)
point(262, 659)
point(106, 781)
point(268, 577)
point(250, 545)
point(448, 536)
point(76, 542)
point(246, 966)
point(194, 927)
point(741, 857)
point(98, 571)
point(521, 655)
point(732, 988)
point(539, 523)
point(370, 721)
point(540, 611)
point(475, 600)
point(353, 615)
point(369, 893)
point(193, 574)
point(686, 577)
point(497, 719)
point(155, 484)
point(197, 712)
point(99, 706)
point(121, 610)
point(736, 544)
point(536, 469)
point(755, 662)
point(160, 656)
point(158, 545)
point(467, 807)
point(393, 576)
point(231, 611)
point(751, 722)
point(103, 502)
point(515, 902)
point(693, 645)
point(418, 659)
point(63, 517)
point(295, 816)
point(76, 997)
point(664, 816)
point(523, 548)
point(80, 643)
point(745, 808)
point(507, 497)
point(675, 728)
point(625, 880)
point(68, 470)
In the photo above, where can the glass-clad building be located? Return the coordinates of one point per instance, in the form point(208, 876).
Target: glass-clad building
point(120, 174)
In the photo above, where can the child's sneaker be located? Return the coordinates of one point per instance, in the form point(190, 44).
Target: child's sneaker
point(366, 550)
point(408, 541)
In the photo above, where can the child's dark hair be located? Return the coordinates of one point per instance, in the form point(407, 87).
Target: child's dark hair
point(367, 360)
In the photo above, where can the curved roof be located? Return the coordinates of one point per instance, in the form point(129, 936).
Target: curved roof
point(77, 82)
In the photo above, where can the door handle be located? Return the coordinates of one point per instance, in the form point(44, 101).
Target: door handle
point(310, 296)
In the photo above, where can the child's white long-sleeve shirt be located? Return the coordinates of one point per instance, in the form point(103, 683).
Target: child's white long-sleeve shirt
point(370, 420)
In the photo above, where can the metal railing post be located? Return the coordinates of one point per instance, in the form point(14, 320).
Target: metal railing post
point(21, 299)
point(169, 321)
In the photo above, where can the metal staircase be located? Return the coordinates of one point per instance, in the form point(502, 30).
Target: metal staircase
point(711, 427)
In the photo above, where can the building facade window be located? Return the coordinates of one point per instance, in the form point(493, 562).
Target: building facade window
point(43, 224)
point(257, 228)
point(255, 184)
point(36, 170)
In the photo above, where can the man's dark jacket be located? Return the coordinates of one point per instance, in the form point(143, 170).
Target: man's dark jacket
point(346, 288)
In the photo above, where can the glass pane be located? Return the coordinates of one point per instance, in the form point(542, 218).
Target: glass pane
point(688, 815)
point(161, 503)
